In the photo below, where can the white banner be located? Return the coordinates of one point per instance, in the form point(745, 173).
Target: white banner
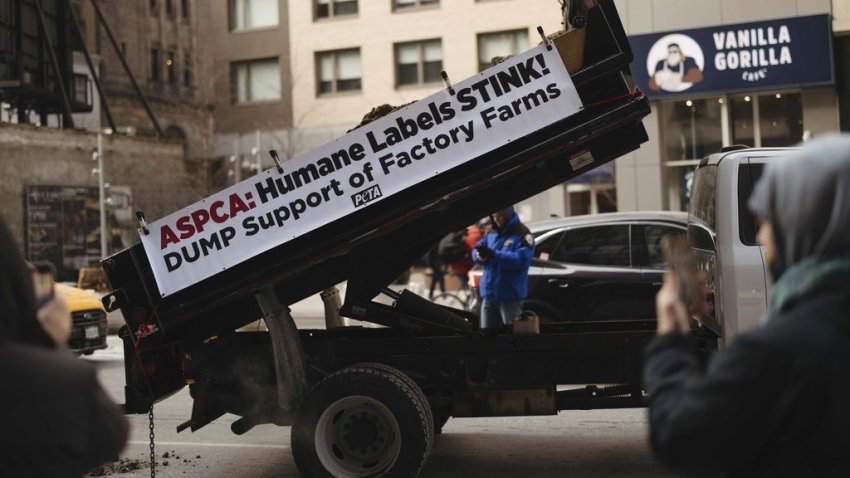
point(426, 138)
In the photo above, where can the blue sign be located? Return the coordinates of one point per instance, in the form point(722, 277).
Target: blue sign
point(782, 53)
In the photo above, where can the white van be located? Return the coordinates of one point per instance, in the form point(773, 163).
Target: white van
point(722, 236)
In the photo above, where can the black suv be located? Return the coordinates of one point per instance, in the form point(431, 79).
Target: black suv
point(598, 267)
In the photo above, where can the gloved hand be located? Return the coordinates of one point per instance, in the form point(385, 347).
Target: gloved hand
point(485, 253)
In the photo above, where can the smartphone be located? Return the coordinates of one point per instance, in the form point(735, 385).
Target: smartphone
point(43, 281)
point(679, 260)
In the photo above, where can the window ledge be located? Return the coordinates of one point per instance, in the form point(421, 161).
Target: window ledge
point(338, 94)
point(417, 8)
point(247, 104)
point(254, 30)
point(336, 18)
point(418, 86)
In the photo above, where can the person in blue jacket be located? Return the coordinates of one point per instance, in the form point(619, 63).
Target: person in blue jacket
point(505, 252)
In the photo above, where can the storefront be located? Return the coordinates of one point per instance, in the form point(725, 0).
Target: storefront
point(762, 84)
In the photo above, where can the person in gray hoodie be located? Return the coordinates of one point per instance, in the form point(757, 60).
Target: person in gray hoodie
point(774, 403)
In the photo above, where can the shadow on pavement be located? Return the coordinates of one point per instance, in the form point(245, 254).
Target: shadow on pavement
point(482, 455)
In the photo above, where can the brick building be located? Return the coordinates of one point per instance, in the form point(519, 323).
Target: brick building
point(49, 186)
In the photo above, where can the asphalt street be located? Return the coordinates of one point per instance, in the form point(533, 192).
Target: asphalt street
point(595, 443)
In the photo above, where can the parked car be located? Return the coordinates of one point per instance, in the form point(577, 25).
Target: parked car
point(88, 316)
point(598, 267)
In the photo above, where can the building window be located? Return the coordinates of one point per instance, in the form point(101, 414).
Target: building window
point(334, 8)
point(152, 4)
point(184, 9)
point(82, 89)
point(155, 65)
point(780, 119)
point(255, 81)
point(418, 63)
point(406, 4)
point(169, 8)
point(694, 128)
point(491, 45)
point(338, 71)
point(842, 76)
point(187, 70)
point(250, 14)
point(170, 67)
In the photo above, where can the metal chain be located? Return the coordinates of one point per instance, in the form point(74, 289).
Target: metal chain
point(153, 451)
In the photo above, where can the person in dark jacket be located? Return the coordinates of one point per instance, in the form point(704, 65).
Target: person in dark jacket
point(438, 278)
point(56, 419)
point(506, 253)
point(18, 320)
point(774, 402)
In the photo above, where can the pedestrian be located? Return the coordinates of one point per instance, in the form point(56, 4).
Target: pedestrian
point(435, 264)
point(774, 402)
point(56, 419)
point(505, 252)
point(462, 266)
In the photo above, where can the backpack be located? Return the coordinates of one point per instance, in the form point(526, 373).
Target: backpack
point(452, 247)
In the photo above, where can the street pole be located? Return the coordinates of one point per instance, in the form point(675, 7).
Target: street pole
point(236, 161)
point(256, 152)
point(101, 195)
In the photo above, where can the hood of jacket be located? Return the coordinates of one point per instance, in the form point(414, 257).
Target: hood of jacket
point(806, 199)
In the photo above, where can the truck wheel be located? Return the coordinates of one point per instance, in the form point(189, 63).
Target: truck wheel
point(407, 381)
point(361, 422)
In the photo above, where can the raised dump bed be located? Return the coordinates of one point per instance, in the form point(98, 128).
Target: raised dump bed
point(362, 209)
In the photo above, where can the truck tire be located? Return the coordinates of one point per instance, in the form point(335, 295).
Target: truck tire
point(361, 422)
point(410, 383)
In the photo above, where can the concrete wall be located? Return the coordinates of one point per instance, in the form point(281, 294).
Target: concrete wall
point(160, 180)
point(649, 16)
point(841, 16)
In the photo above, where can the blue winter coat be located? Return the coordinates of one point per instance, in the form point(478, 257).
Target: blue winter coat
point(506, 275)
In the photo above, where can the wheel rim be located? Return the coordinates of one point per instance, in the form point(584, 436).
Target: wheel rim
point(357, 436)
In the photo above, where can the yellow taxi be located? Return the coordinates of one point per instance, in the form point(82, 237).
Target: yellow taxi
point(88, 331)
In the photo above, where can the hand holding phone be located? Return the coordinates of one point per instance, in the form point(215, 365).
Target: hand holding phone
point(682, 293)
point(51, 311)
point(43, 281)
point(484, 252)
point(680, 262)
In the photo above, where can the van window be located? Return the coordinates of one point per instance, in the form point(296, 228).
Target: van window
point(702, 222)
point(702, 196)
point(748, 176)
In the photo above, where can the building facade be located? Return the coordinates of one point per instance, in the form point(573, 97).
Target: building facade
point(167, 45)
point(253, 86)
point(295, 75)
point(49, 192)
point(759, 73)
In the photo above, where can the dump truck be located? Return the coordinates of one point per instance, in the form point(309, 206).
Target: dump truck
point(368, 401)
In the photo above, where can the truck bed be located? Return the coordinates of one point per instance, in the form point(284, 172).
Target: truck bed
point(372, 246)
